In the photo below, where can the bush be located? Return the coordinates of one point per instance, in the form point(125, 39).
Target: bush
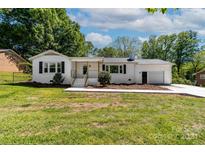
point(179, 80)
point(104, 78)
point(57, 79)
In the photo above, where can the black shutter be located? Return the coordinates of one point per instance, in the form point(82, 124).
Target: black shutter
point(103, 67)
point(63, 66)
point(40, 67)
point(125, 71)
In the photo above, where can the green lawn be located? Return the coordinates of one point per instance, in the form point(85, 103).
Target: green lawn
point(30, 115)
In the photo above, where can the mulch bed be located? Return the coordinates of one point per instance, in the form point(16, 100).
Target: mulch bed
point(130, 86)
point(37, 85)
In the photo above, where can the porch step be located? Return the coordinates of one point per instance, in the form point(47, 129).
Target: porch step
point(92, 81)
point(79, 82)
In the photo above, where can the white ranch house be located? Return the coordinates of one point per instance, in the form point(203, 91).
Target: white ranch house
point(83, 71)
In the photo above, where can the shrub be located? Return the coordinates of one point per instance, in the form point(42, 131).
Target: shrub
point(179, 80)
point(104, 78)
point(57, 79)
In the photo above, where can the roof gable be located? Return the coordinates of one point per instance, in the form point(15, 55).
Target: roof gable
point(12, 52)
point(46, 53)
point(202, 71)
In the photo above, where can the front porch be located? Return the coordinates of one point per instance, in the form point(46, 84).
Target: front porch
point(85, 71)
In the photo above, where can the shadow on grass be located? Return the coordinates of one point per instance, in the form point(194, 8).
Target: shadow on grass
point(36, 85)
point(7, 95)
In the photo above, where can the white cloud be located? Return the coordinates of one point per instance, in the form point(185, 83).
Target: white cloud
point(98, 40)
point(143, 38)
point(141, 21)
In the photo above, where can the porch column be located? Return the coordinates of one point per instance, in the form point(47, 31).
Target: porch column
point(87, 69)
point(98, 69)
point(75, 70)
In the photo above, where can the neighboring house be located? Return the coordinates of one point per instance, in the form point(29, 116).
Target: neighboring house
point(81, 71)
point(200, 78)
point(10, 61)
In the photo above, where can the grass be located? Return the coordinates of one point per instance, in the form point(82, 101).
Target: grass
point(30, 115)
point(8, 77)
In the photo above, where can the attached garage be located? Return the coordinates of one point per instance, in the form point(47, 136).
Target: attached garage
point(156, 77)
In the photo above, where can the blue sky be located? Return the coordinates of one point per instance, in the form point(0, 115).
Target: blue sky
point(102, 26)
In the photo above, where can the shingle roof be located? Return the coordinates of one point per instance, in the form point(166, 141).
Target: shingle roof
point(10, 51)
point(107, 60)
point(152, 61)
point(138, 61)
point(115, 60)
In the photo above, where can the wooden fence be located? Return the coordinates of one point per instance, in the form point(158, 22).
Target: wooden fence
point(14, 77)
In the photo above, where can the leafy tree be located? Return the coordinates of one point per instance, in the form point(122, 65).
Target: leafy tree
point(159, 47)
point(161, 10)
point(165, 46)
point(126, 46)
point(89, 47)
point(185, 47)
point(108, 52)
point(153, 10)
point(198, 62)
point(31, 31)
point(149, 48)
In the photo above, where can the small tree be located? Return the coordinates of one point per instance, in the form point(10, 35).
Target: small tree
point(57, 79)
point(104, 78)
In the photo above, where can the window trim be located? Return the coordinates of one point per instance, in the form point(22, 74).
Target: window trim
point(117, 66)
point(50, 67)
point(202, 76)
point(45, 67)
point(40, 69)
point(59, 63)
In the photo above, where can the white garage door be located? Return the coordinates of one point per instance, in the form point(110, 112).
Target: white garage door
point(156, 77)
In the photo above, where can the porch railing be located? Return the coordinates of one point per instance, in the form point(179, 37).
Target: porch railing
point(89, 74)
point(85, 80)
point(73, 73)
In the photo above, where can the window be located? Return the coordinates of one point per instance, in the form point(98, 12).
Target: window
point(52, 67)
point(59, 67)
point(85, 69)
point(113, 68)
point(125, 69)
point(45, 67)
point(63, 66)
point(120, 68)
point(103, 67)
point(202, 76)
point(40, 67)
point(107, 68)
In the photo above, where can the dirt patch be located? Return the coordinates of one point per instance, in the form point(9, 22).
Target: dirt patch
point(131, 86)
point(74, 107)
point(77, 107)
point(99, 125)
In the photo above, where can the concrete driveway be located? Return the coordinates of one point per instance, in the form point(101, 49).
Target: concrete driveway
point(188, 89)
point(173, 89)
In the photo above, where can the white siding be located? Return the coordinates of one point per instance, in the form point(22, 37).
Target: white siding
point(46, 77)
point(156, 77)
point(166, 69)
point(127, 78)
point(155, 73)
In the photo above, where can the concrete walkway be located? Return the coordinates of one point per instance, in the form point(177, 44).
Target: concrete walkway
point(173, 89)
point(120, 90)
point(188, 89)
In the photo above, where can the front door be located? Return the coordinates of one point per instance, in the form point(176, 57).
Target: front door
point(144, 77)
point(85, 69)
